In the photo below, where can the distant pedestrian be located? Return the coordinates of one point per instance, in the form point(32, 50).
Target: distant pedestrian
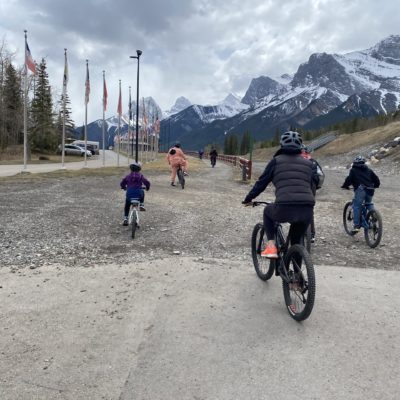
point(213, 157)
point(201, 152)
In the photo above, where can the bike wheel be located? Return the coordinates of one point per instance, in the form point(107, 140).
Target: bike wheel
point(348, 219)
point(299, 291)
point(181, 178)
point(134, 224)
point(373, 233)
point(263, 266)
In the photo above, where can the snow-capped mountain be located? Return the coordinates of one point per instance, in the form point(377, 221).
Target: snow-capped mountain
point(326, 89)
point(180, 104)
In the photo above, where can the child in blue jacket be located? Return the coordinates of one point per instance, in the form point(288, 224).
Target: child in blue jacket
point(133, 184)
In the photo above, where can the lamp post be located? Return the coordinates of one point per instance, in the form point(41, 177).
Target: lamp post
point(139, 53)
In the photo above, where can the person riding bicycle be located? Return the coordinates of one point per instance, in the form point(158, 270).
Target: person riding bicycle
point(213, 157)
point(306, 153)
point(293, 178)
point(176, 158)
point(364, 182)
point(133, 184)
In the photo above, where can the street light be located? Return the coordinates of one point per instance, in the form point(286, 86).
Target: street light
point(139, 53)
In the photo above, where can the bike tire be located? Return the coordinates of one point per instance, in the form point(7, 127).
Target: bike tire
point(300, 293)
point(348, 218)
point(373, 234)
point(134, 224)
point(263, 266)
point(181, 178)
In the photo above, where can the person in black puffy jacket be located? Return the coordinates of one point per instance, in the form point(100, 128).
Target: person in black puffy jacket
point(294, 178)
point(364, 182)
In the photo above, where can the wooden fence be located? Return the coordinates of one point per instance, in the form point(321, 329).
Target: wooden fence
point(240, 162)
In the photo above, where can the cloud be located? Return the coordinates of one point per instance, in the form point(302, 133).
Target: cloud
point(200, 49)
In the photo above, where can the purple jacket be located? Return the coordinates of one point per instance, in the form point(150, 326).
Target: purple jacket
point(135, 180)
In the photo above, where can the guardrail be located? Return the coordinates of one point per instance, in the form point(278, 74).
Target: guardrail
point(323, 140)
point(240, 162)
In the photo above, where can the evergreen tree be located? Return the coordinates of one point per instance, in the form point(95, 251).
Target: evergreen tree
point(245, 143)
point(69, 123)
point(12, 107)
point(43, 132)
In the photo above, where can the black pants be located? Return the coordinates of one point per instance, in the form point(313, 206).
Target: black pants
point(299, 218)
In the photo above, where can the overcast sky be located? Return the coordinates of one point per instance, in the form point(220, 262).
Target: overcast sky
point(200, 49)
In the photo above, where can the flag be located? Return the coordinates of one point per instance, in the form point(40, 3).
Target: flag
point(119, 109)
point(105, 95)
point(28, 59)
point(87, 85)
point(65, 78)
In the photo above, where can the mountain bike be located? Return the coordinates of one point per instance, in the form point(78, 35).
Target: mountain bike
point(181, 177)
point(293, 265)
point(371, 221)
point(134, 216)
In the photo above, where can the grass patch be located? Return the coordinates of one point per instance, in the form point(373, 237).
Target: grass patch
point(156, 167)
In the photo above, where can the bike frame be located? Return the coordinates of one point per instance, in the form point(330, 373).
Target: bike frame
point(134, 209)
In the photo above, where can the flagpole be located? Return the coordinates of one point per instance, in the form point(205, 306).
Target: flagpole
point(25, 109)
point(86, 101)
point(64, 94)
point(104, 118)
point(129, 126)
point(119, 123)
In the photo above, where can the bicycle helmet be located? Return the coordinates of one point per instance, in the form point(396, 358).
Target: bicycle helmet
point(291, 139)
point(135, 167)
point(359, 160)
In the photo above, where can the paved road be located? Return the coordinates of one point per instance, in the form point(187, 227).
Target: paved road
point(189, 328)
point(111, 159)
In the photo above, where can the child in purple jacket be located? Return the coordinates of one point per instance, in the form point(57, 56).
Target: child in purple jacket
point(133, 184)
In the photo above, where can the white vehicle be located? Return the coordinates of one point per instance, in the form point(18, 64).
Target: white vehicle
point(90, 145)
point(74, 150)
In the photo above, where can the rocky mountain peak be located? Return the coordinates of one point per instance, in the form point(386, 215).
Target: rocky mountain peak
point(387, 50)
point(180, 104)
point(261, 87)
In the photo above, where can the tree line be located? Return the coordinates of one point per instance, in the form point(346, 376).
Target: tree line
point(44, 116)
point(236, 146)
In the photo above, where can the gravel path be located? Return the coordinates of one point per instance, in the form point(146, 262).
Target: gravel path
point(77, 221)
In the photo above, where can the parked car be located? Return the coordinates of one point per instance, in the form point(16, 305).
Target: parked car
point(88, 146)
point(74, 150)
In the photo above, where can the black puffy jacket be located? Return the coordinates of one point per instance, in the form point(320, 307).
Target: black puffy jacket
point(293, 178)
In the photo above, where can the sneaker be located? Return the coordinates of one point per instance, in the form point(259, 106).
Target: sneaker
point(270, 252)
point(312, 240)
point(173, 184)
point(141, 208)
point(125, 223)
point(185, 173)
point(356, 229)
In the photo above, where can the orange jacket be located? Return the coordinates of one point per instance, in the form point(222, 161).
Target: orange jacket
point(177, 158)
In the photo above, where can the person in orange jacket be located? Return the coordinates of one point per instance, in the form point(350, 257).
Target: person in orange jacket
point(176, 158)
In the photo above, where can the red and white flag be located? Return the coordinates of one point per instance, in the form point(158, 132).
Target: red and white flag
point(119, 109)
point(87, 85)
point(30, 64)
point(105, 95)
